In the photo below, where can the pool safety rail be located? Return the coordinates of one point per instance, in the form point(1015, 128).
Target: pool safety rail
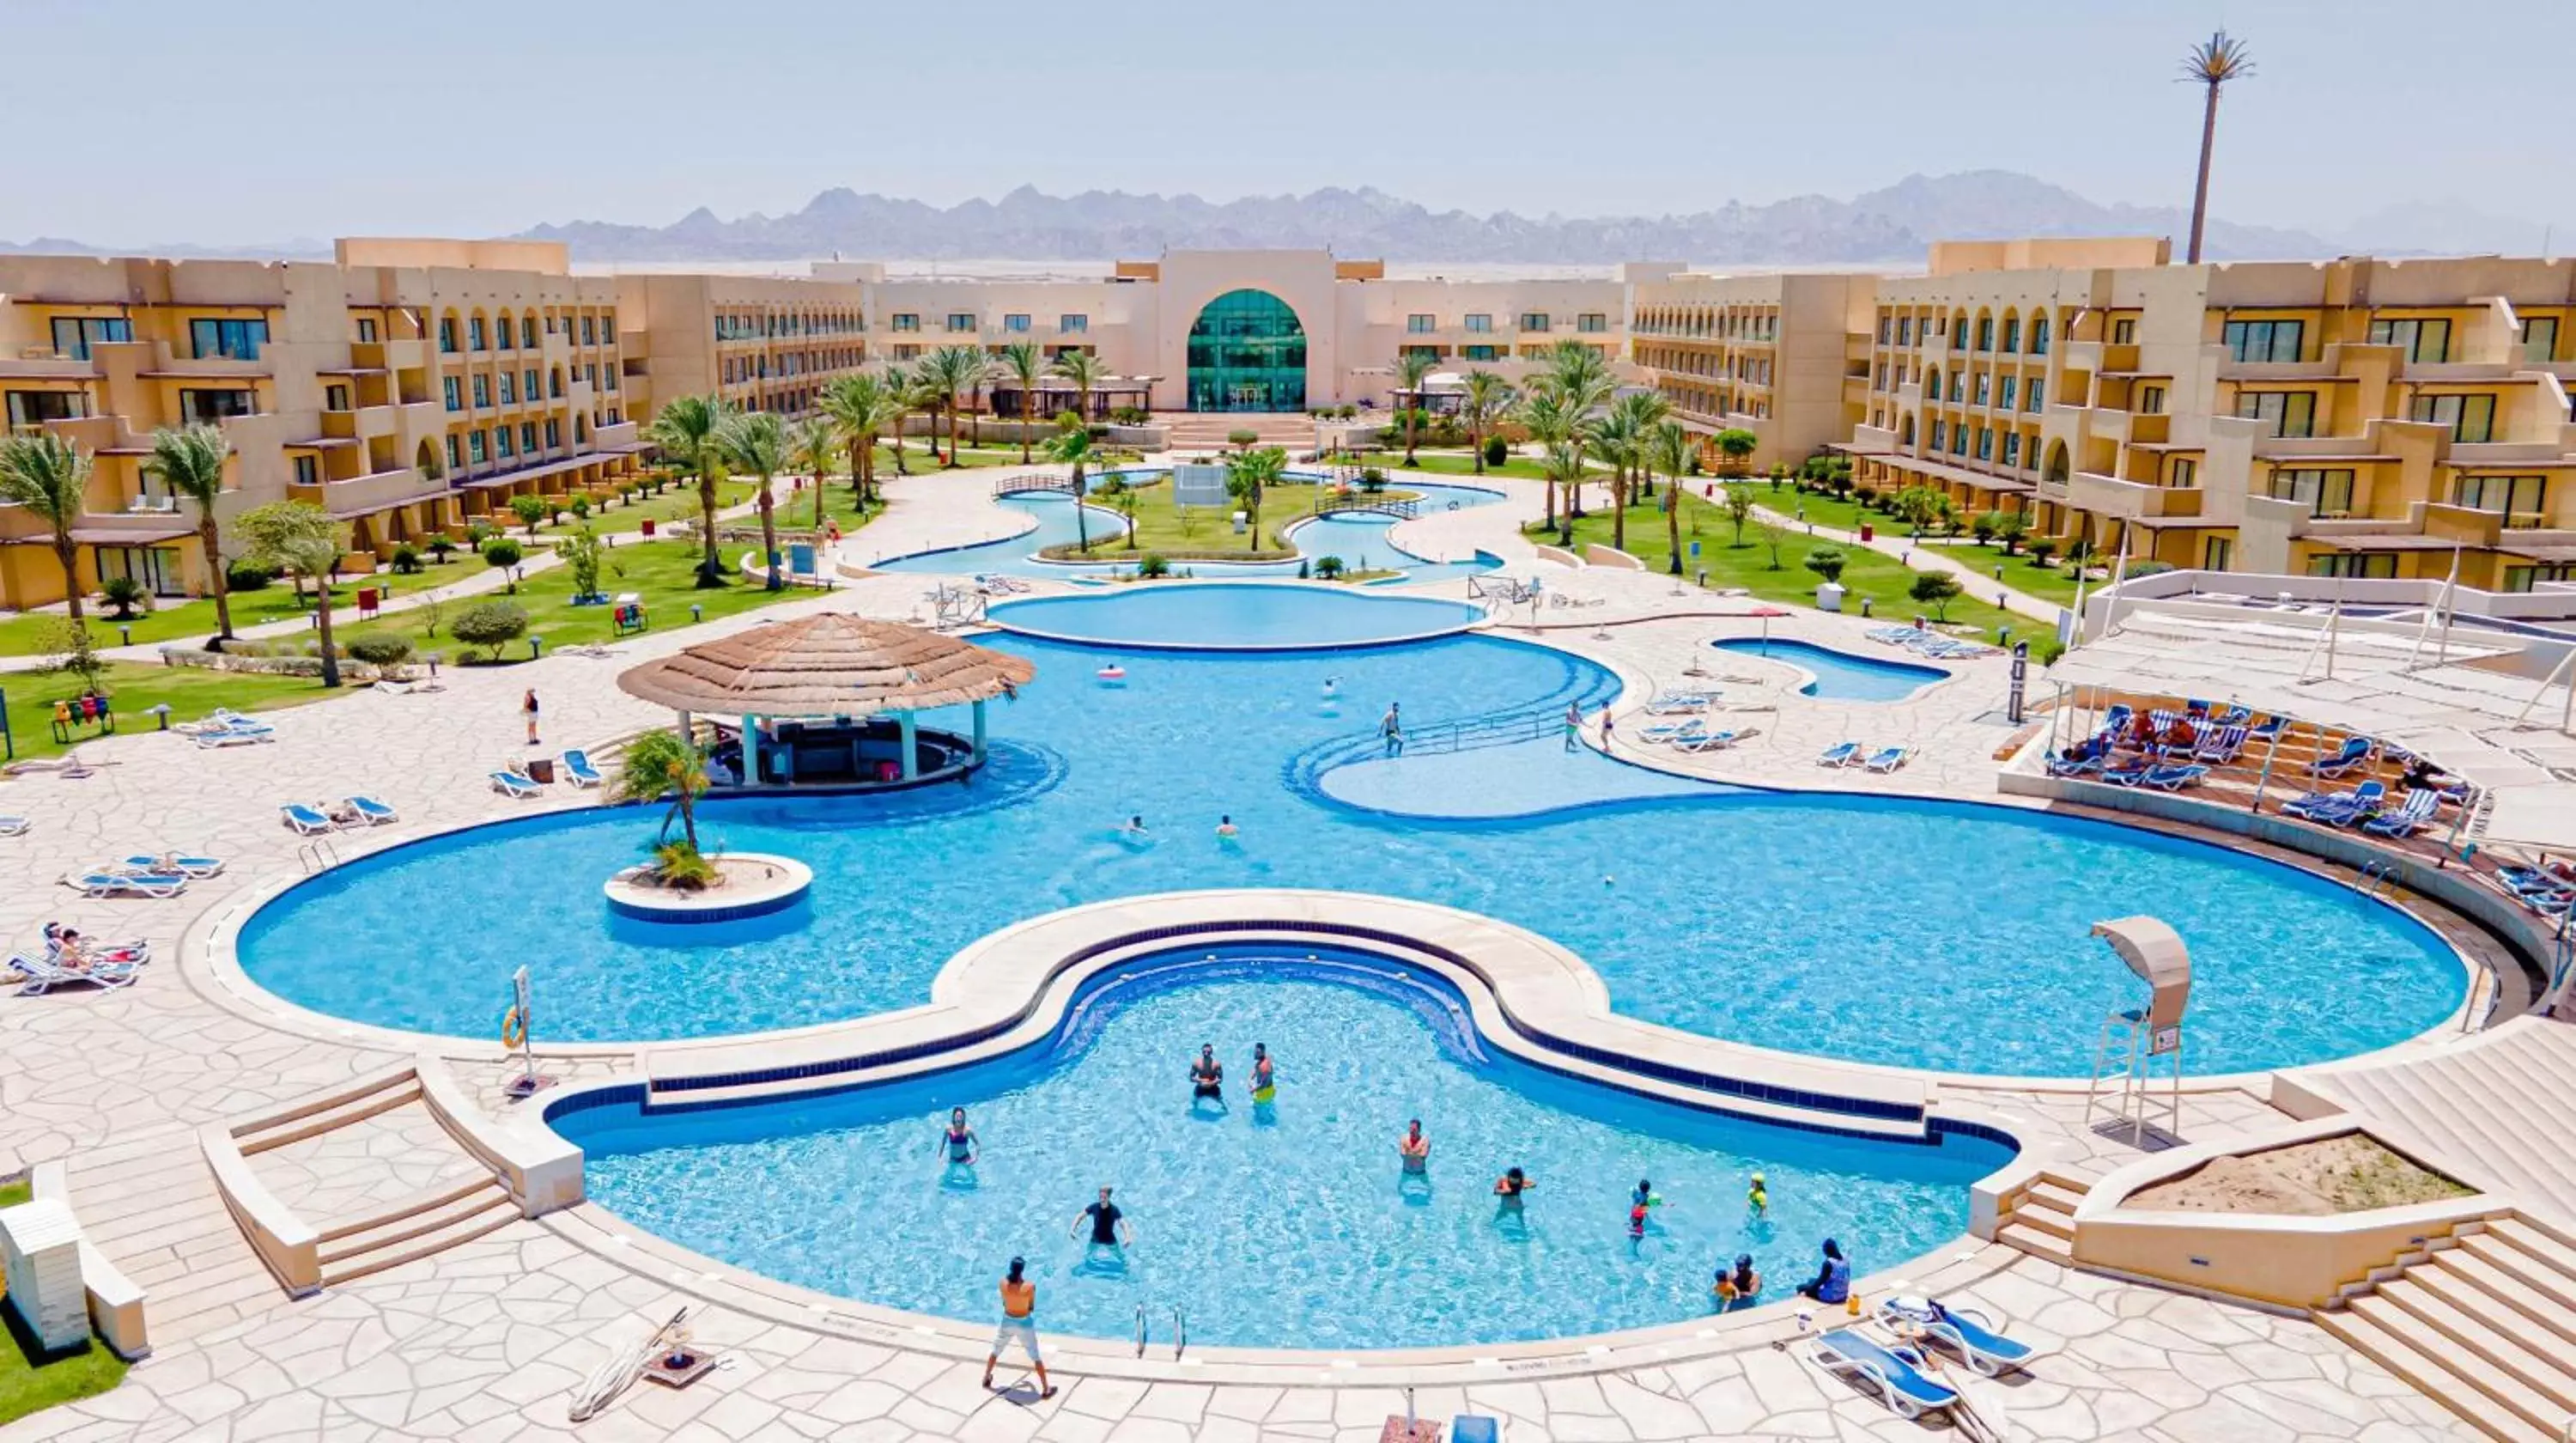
point(1365, 505)
point(1022, 485)
point(1494, 729)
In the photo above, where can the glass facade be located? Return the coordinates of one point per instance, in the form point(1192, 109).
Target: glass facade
point(1247, 353)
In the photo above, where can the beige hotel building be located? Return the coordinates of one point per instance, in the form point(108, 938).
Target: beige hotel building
point(2355, 417)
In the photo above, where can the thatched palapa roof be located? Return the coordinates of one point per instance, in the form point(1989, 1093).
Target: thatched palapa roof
point(831, 664)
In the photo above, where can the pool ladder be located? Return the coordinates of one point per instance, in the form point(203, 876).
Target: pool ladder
point(317, 855)
point(1180, 1332)
point(2375, 878)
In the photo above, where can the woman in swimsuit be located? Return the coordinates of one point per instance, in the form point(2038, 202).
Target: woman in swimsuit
point(958, 1140)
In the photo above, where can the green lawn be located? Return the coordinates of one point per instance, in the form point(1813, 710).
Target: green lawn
point(1169, 530)
point(25, 633)
point(1866, 574)
point(26, 1385)
point(678, 502)
point(662, 572)
point(2053, 582)
point(1458, 463)
point(134, 686)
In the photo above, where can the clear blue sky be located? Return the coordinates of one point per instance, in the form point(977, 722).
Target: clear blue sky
point(138, 121)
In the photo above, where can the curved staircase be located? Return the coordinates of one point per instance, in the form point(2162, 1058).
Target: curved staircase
point(2482, 1321)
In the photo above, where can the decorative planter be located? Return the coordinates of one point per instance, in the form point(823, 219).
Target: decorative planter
point(755, 884)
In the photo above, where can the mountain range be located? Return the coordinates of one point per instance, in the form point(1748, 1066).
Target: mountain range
point(1892, 225)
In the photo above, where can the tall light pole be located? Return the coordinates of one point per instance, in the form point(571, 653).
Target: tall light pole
point(2211, 64)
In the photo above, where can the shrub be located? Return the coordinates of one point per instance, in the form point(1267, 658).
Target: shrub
point(2041, 550)
point(1242, 436)
point(125, 593)
point(379, 648)
point(2147, 568)
point(1865, 495)
point(1497, 451)
point(1127, 415)
point(1153, 565)
point(1347, 412)
point(2049, 651)
point(1827, 562)
point(406, 559)
point(1372, 479)
point(1935, 589)
point(490, 624)
point(581, 506)
point(478, 532)
point(2011, 526)
point(1983, 527)
point(247, 576)
point(1328, 567)
point(682, 867)
point(502, 551)
point(530, 510)
point(440, 546)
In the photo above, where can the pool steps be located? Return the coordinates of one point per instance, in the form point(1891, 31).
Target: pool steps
point(2483, 1321)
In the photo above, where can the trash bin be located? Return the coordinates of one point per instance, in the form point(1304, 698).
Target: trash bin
point(542, 770)
point(648, 525)
point(1867, 531)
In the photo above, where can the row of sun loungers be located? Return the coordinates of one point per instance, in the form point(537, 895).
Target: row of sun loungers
point(1859, 754)
point(1898, 1369)
point(2549, 891)
point(227, 728)
point(1933, 644)
point(315, 819)
point(519, 786)
point(106, 966)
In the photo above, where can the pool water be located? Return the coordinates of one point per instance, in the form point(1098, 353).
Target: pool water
point(1361, 542)
point(1928, 934)
point(1839, 675)
point(1289, 1225)
point(1244, 616)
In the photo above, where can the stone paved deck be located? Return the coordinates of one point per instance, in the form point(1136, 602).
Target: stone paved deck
point(485, 1341)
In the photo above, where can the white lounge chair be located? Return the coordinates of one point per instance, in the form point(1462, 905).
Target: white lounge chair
point(305, 820)
point(44, 974)
point(517, 786)
point(372, 812)
point(13, 826)
point(1965, 1331)
point(1840, 754)
point(239, 736)
point(1716, 741)
point(577, 766)
point(127, 884)
point(1885, 759)
point(1892, 1375)
point(193, 868)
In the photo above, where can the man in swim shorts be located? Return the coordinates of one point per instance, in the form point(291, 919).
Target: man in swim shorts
point(1225, 826)
point(1207, 1077)
point(1391, 727)
point(1414, 1148)
point(1265, 1076)
point(1109, 1226)
point(1019, 1325)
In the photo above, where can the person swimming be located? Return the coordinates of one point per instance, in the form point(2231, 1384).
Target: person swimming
point(1265, 1074)
point(1645, 1196)
point(1109, 1226)
point(1738, 1288)
point(1414, 1148)
point(1225, 827)
point(1757, 1197)
point(1511, 1185)
point(958, 1140)
point(1135, 825)
point(1207, 1076)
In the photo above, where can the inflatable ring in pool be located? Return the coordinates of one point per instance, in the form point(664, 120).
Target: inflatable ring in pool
point(514, 1029)
point(1111, 673)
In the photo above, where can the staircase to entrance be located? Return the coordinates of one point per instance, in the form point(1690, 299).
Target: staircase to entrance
point(1208, 430)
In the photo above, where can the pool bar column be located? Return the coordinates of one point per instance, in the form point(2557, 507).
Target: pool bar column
point(911, 760)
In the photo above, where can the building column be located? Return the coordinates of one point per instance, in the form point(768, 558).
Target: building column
point(750, 750)
point(911, 761)
point(979, 734)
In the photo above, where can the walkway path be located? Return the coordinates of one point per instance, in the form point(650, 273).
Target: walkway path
point(1980, 584)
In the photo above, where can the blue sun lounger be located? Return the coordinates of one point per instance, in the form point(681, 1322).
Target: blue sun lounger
point(2174, 778)
point(1893, 1375)
point(2412, 816)
point(374, 813)
point(1885, 759)
point(306, 821)
point(2059, 766)
point(1964, 1331)
point(1840, 754)
point(128, 884)
point(516, 785)
point(2355, 751)
point(198, 868)
point(577, 766)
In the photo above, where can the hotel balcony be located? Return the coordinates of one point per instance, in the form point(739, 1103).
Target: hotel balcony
point(2129, 500)
point(361, 495)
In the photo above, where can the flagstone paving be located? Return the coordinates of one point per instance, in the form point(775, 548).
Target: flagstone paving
point(487, 1340)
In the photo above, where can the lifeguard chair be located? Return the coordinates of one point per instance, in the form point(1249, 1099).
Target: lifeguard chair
point(2134, 1037)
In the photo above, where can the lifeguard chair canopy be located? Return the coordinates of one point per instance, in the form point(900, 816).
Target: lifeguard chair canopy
point(2156, 953)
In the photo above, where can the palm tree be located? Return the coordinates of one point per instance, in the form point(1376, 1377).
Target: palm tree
point(905, 386)
point(1026, 363)
point(1582, 381)
point(50, 477)
point(1617, 439)
point(812, 446)
point(190, 461)
point(686, 431)
point(861, 408)
point(1082, 371)
point(1071, 445)
point(951, 374)
point(756, 441)
point(1247, 474)
point(1564, 467)
point(2211, 64)
point(1550, 422)
point(1488, 397)
point(659, 764)
point(1644, 411)
point(315, 557)
point(1669, 450)
point(1412, 367)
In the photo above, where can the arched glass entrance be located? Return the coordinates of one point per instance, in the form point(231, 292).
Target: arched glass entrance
point(1247, 353)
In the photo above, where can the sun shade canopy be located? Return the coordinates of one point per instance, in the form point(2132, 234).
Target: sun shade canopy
point(825, 666)
point(2156, 953)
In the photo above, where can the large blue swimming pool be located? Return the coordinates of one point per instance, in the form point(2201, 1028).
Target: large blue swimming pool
point(1235, 616)
point(1292, 1224)
point(1839, 675)
point(1937, 935)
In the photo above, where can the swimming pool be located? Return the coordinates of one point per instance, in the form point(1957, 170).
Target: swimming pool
point(1235, 616)
point(1839, 675)
point(1928, 934)
point(1289, 1225)
point(1360, 541)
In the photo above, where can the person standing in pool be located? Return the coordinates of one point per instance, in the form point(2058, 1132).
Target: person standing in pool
point(1511, 1185)
point(1207, 1077)
point(1573, 725)
point(1391, 727)
point(1265, 1074)
point(1109, 1226)
point(1226, 830)
point(1019, 1325)
point(958, 1141)
point(1414, 1148)
point(1135, 825)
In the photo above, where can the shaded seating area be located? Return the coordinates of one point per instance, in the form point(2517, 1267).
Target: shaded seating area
point(831, 701)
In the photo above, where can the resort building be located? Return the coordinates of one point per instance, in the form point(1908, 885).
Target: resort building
point(1781, 356)
point(2358, 417)
point(763, 343)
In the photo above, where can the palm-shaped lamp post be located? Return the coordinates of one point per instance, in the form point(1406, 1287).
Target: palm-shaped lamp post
point(2212, 64)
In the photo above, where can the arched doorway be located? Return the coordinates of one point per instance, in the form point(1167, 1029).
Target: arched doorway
point(1247, 353)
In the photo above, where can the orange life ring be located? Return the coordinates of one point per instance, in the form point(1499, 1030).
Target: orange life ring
point(514, 1029)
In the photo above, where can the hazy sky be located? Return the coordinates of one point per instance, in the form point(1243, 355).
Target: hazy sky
point(139, 121)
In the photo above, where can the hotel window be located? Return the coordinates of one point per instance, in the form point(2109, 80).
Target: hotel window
point(1940, 432)
point(2151, 400)
point(2325, 492)
point(1593, 322)
point(528, 332)
point(1017, 324)
point(612, 378)
point(1481, 353)
point(906, 321)
point(2522, 499)
point(1428, 353)
point(475, 337)
point(504, 336)
point(1958, 386)
point(214, 405)
point(1073, 323)
point(2521, 578)
point(1534, 320)
point(2038, 392)
point(2038, 340)
point(227, 340)
point(2422, 340)
point(452, 462)
point(1959, 440)
point(2540, 340)
point(961, 320)
point(2124, 331)
point(474, 448)
point(2012, 334)
point(509, 389)
point(2004, 390)
point(2012, 448)
point(907, 353)
point(590, 373)
point(1982, 381)
point(2284, 413)
point(1878, 380)
point(447, 335)
point(2265, 341)
point(308, 471)
point(2216, 552)
point(2471, 418)
point(528, 387)
point(76, 336)
point(1905, 330)
point(34, 408)
point(1985, 333)
point(527, 435)
point(335, 397)
point(2365, 565)
point(366, 330)
point(1420, 325)
point(482, 392)
point(1985, 443)
point(2186, 474)
point(1959, 334)
point(554, 434)
point(589, 331)
point(1886, 327)
point(501, 442)
point(608, 325)
point(455, 393)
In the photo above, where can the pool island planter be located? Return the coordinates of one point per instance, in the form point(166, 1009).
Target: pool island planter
point(754, 884)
